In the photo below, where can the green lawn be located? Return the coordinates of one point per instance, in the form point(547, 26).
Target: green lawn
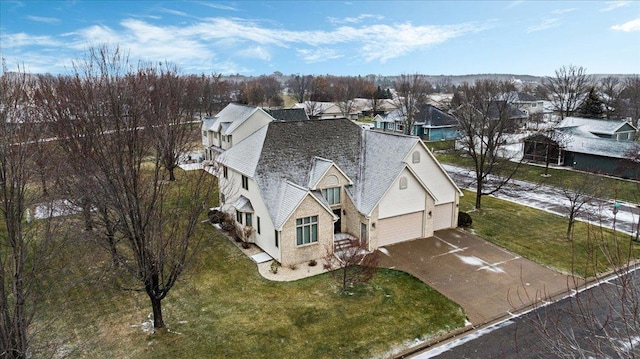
point(222, 307)
point(540, 236)
point(613, 188)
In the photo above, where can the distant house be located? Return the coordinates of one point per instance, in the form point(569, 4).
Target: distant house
point(301, 184)
point(611, 129)
point(431, 123)
point(326, 110)
point(593, 145)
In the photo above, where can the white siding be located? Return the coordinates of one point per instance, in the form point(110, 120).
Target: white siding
point(432, 175)
point(401, 201)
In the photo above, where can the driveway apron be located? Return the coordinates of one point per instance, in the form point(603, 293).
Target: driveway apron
point(486, 280)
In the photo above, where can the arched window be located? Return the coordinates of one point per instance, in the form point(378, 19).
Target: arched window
point(331, 180)
point(416, 157)
point(403, 182)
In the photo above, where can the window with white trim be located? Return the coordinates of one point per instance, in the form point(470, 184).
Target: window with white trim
point(248, 219)
point(332, 195)
point(306, 230)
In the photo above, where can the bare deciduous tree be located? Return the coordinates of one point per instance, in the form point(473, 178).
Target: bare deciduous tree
point(24, 251)
point(107, 131)
point(611, 89)
point(631, 98)
point(579, 192)
point(483, 114)
point(299, 86)
point(567, 88)
point(352, 262)
point(411, 93)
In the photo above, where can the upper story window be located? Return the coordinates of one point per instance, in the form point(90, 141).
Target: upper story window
point(332, 195)
point(225, 172)
point(415, 157)
point(403, 183)
point(306, 230)
point(245, 182)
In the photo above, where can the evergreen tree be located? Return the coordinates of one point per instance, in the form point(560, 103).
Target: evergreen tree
point(592, 107)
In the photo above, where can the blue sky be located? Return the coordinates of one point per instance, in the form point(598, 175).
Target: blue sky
point(339, 38)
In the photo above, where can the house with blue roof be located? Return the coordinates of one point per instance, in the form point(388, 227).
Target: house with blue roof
point(300, 185)
point(431, 123)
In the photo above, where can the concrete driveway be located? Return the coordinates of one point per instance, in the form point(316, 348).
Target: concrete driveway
point(486, 280)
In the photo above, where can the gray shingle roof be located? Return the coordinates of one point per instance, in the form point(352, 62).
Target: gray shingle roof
point(593, 125)
point(293, 155)
point(431, 116)
point(600, 146)
point(289, 114)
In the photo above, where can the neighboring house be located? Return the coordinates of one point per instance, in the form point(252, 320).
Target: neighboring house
point(517, 117)
point(231, 125)
point(431, 123)
point(325, 110)
point(297, 184)
point(593, 145)
point(618, 130)
point(527, 103)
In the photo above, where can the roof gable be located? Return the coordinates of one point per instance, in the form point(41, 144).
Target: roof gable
point(599, 126)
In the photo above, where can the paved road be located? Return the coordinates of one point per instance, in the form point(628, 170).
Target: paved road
point(552, 200)
point(521, 337)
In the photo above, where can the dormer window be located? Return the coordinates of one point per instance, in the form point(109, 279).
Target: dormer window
point(332, 195)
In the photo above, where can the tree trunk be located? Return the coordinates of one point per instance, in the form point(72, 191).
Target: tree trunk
point(478, 191)
point(156, 304)
point(570, 226)
point(172, 175)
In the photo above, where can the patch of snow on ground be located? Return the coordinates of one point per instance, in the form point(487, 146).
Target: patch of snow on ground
point(471, 260)
point(56, 208)
point(384, 250)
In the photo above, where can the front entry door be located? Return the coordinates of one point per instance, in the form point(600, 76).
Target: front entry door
point(337, 227)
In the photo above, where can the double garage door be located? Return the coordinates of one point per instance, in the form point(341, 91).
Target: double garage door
point(400, 228)
point(409, 226)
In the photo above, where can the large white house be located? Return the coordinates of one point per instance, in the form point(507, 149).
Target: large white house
point(298, 183)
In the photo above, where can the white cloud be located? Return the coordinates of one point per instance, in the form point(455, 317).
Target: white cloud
point(355, 20)
point(633, 25)
point(22, 40)
point(46, 20)
point(563, 11)
point(612, 5)
point(194, 45)
point(256, 52)
point(546, 24)
point(218, 6)
point(173, 12)
point(318, 55)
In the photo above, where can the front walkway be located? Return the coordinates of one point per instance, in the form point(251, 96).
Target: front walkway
point(489, 282)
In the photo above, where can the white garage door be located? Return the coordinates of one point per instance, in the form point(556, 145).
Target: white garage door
point(400, 228)
point(443, 216)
